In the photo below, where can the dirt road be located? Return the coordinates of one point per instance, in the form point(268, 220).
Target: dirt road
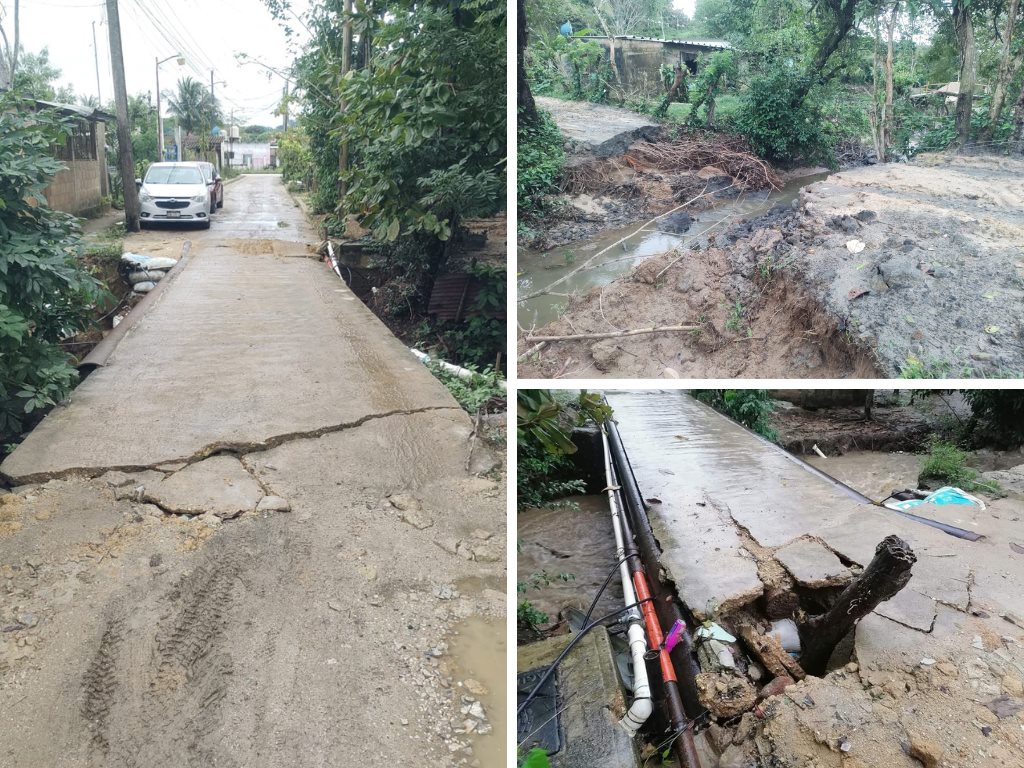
point(252, 538)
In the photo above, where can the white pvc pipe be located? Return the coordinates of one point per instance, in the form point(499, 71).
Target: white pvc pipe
point(458, 370)
point(643, 704)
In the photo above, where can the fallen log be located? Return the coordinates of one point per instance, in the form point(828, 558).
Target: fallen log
point(886, 574)
point(613, 334)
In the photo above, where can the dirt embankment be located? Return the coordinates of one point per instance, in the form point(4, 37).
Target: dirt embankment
point(887, 270)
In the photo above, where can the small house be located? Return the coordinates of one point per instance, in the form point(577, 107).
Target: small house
point(83, 187)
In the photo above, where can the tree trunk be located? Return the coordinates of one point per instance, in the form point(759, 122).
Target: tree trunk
point(611, 50)
point(886, 574)
point(869, 401)
point(524, 97)
point(845, 12)
point(1017, 139)
point(963, 25)
point(1008, 66)
point(887, 118)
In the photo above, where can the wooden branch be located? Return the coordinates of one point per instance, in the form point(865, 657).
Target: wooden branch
point(771, 654)
point(886, 574)
point(614, 334)
point(535, 348)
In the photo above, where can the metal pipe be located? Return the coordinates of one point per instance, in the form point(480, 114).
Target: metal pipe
point(668, 609)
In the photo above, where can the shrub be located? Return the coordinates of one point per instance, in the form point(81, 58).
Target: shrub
point(539, 163)
point(781, 126)
point(472, 393)
point(945, 464)
point(997, 415)
point(46, 296)
point(750, 407)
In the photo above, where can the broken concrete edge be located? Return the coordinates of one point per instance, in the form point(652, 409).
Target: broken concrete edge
point(238, 449)
point(99, 355)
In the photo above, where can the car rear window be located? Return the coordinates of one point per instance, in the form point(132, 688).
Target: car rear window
point(174, 174)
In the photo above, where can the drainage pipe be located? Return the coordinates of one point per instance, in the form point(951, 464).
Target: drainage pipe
point(666, 606)
point(643, 704)
point(458, 370)
point(627, 553)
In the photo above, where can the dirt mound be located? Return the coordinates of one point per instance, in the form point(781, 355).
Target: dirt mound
point(879, 271)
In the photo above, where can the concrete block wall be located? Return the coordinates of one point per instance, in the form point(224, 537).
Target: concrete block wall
point(78, 188)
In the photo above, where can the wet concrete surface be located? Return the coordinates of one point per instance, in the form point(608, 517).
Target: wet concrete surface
point(605, 130)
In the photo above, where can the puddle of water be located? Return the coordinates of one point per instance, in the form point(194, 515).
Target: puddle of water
point(478, 650)
point(539, 269)
point(577, 541)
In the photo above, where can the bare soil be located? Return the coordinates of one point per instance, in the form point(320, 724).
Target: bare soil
point(911, 269)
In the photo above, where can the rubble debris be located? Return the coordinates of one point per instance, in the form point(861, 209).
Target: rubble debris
point(770, 654)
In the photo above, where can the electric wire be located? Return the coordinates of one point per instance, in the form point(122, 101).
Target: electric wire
point(569, 646)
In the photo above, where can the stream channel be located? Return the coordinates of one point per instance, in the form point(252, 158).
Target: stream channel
point(538, 269)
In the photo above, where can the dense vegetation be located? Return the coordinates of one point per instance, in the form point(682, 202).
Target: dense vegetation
point(407, 138)
point(753, 408)
point(45, 294)
point(804, 78)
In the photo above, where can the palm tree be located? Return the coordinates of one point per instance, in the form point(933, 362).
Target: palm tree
point(192, 105)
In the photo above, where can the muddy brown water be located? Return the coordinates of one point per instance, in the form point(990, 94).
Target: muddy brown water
point(478, 648)
point(576, 540)
point(538, 269)
point(876, 474)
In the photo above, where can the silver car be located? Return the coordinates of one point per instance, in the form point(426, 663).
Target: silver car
point(175, 193)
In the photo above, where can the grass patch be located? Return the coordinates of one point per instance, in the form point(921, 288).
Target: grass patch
point(945, 464)
point(727, 106)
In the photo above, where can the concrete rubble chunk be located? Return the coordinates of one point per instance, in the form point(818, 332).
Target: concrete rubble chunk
point(273, 504)
point(812, 565)
point(218, 485)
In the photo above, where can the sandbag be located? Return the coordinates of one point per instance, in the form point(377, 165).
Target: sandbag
point(144, 287)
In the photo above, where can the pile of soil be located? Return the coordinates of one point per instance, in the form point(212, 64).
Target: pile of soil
point(876, 272)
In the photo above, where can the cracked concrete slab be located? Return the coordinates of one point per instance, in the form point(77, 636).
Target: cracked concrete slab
point(218, 485)
point(235, 335)
point(911, 609)
point(812, 565)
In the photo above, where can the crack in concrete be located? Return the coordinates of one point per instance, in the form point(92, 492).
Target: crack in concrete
point(928, 631)
point(237, 449)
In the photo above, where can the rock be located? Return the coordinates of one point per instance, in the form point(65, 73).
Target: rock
point(775, 687)
point(925, 751)
point(451, 546)
point(417, 519)
point(209, 519)
point(949, 670)
point(481, 534)
point(404, 502)
point(852, 667)
point(606, 353)
point(676, 223)
point(446, 592)
point(475, 687)
point(27, 619)
point(1004, 707)
point(489, 552)
point(865, 216)
point(273, 504)
point(725, 695)
point(735, 756)
point(765, 240)
point(155, 560)
point(1013, 686)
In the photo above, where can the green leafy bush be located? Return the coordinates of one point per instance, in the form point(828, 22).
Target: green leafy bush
point(483, 389)
point(945, 464)
point(46, 296)
point(294, 157)
point(779, 125)
point(539, 162)
point(752, 408)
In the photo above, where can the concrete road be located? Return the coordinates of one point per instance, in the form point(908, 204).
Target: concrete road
point(251, 538)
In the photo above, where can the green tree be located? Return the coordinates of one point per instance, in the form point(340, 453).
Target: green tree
point(193, 106)
point(35, 76)
point(45, 295)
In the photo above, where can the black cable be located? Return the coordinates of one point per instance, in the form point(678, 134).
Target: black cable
point(604, 586)
point(572, 644)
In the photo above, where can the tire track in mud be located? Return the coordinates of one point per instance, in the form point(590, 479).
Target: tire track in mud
point(164, 713)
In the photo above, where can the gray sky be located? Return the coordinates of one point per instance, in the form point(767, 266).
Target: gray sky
point(207, 32)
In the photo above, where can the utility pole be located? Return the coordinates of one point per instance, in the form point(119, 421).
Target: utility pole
point(124, 136)
point(96, 56)
point(346, 65)
point(284, 105)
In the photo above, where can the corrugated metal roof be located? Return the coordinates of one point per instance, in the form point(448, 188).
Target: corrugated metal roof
point(454, 298)
point(717, 45)
point(77, 109)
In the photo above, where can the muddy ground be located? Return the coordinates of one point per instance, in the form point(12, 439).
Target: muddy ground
point(911, 269)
